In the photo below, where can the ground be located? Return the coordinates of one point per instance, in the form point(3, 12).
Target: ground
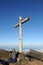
point(34, 62)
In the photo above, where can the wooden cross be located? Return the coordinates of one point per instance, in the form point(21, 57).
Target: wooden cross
point(20, 30)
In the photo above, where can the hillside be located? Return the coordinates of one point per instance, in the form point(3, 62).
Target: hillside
point(4, 54)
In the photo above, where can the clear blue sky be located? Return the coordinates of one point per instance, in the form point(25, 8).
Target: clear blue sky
point(10, 10)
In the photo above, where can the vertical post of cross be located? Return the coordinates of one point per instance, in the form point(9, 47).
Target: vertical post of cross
point(20, 33)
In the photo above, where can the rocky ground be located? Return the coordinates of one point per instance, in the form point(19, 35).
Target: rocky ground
point(35, 58)
point(33, 62)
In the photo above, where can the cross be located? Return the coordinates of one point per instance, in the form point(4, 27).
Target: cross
point(20, 31)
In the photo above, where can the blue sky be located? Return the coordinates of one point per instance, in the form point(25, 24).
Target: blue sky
point(10, 10)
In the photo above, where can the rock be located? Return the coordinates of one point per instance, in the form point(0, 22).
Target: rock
point(26, 59)
point(35, 54)
point(21, 57)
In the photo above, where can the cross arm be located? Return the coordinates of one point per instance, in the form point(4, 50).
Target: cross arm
point(25, 20)
point(16, 25)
